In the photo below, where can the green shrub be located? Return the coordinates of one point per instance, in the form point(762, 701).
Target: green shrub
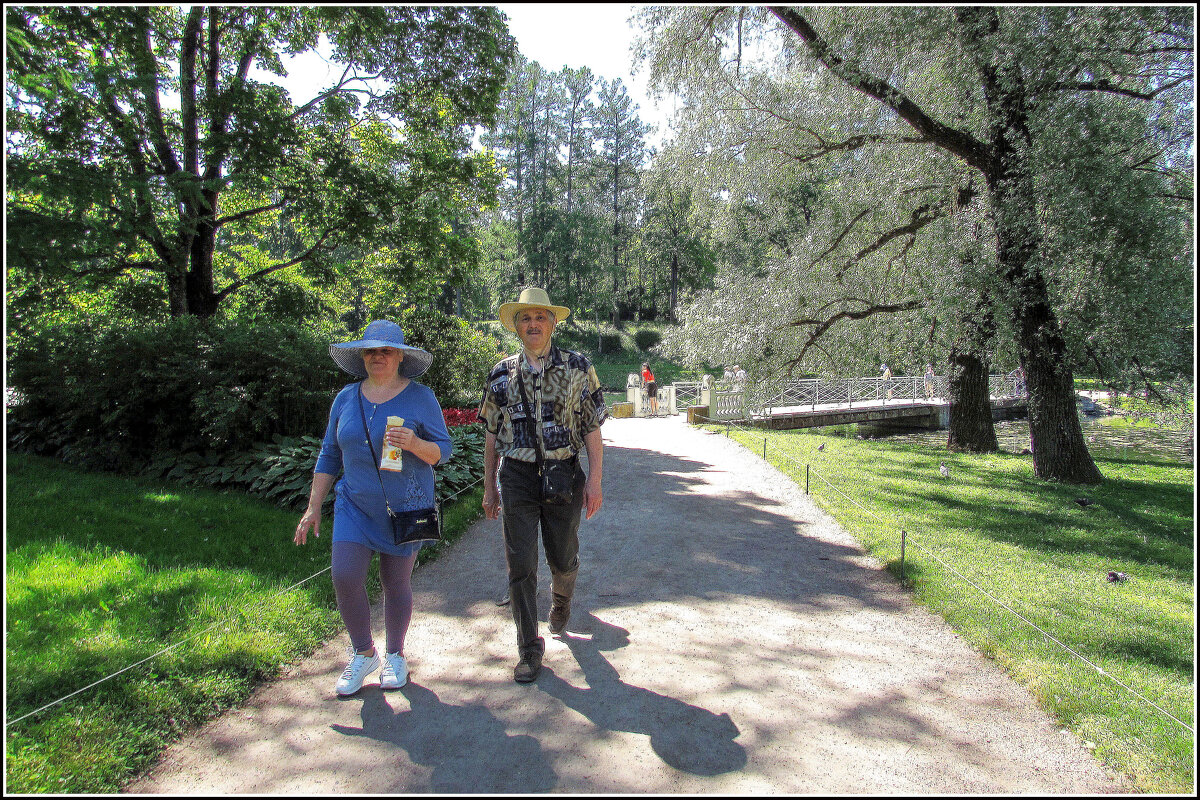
point(646, 338)
point(200, 395)
point(115, 397)
point(610, 343)
point(281, 471)
point(462, 356)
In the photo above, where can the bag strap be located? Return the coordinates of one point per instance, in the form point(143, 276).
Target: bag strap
point(529, 411)
point(374, 460)
point(437, 504)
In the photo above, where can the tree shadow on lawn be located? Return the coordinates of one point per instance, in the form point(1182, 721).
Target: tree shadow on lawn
point(1156, 650)
point(1071, 530)
point(1067, 529)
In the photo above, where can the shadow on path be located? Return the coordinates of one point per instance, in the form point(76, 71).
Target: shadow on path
point(686, 737)
point(466, 746)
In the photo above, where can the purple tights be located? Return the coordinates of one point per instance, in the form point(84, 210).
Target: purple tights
point(350, 563)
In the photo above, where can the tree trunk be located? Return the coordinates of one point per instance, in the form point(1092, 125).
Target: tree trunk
point(1056, 436)
point(1059, 450)
point(202, 300)
point(674, 286)
point(971, 429)
point(176, 284)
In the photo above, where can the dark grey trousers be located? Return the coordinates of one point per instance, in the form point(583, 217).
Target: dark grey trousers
point(523, 512)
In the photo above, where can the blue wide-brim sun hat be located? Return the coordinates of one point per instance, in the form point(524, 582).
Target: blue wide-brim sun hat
point(380, 333)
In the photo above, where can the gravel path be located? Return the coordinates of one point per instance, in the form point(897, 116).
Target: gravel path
point(727, 637)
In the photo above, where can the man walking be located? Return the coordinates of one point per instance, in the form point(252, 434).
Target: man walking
point(540, 407)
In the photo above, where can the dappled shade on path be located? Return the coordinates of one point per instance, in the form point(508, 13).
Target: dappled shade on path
point(726, 637)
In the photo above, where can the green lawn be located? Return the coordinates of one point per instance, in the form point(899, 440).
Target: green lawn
point(1035, 549)
point(104, 571)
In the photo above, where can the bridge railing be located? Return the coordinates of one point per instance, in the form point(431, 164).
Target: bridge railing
point(687, 393)
point(728, 403)
point(1006, 386)
point(812, 392)
point(764, 399)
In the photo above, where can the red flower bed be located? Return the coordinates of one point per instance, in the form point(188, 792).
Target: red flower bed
point(460, 416)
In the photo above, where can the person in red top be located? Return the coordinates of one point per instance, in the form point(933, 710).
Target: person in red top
point(651, 388)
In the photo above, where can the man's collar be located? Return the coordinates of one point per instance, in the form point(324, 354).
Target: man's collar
point(553, 358)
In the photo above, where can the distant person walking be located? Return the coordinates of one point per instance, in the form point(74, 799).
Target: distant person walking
point(354, 442)
point(1018, 376)
point(651, 388)
point(540, 408)
point(886, 384)
point(929, 376)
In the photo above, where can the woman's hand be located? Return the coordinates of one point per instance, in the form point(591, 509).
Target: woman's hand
point(311, 521)
point(402, 437)
point(406, 439)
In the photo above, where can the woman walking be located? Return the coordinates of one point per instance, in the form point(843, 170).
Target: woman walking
point(651, 388)
point(354, 441)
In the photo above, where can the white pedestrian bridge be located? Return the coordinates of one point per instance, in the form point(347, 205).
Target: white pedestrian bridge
point(815, 402)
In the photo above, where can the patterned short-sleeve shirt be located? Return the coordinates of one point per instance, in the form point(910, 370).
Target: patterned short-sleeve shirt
point(566, 398)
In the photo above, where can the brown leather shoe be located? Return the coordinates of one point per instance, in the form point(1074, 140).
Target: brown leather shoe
point(531, 661)
point(560, 612)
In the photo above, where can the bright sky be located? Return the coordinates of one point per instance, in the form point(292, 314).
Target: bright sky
point(593, 35)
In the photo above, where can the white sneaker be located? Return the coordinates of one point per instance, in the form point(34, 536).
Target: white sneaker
point(356, 671)
point(395, 671)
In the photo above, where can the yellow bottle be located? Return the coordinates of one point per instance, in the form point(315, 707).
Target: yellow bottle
point(392, 456)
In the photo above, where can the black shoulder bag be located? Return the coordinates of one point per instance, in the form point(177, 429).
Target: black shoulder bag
point(557, 474)
point(419, 525)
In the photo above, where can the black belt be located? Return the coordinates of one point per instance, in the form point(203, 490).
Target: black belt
point(507, 459)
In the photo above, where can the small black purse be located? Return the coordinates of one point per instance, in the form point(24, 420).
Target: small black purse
point(418, 525)
point(557, 474)
point(558, 478)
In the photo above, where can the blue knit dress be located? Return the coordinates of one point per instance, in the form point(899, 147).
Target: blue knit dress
point(359, 513)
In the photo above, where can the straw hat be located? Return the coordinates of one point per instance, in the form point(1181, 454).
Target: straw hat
point(380, 333)
point(533, 297)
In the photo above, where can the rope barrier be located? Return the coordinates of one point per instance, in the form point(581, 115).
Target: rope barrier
point(1100, 670)
point(164, 650)
point(225, 620)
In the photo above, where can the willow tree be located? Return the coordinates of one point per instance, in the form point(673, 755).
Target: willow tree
point(139, 140)
point(984, 88)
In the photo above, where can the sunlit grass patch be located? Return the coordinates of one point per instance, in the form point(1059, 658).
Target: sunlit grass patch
point(104, 571)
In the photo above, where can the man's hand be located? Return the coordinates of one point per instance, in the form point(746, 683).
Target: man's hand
point(593, 497)
point(491, 501)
